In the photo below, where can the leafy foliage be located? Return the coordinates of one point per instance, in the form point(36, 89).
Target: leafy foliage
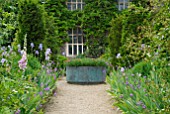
point(26, 90)
point(8, 23)
point(86, 62)
point(31, 22)
point(95, 19)
point(144, 87)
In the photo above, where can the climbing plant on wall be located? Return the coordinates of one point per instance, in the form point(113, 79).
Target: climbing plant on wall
point(95, 19)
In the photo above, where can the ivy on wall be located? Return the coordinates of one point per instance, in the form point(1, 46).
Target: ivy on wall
point(94, 19)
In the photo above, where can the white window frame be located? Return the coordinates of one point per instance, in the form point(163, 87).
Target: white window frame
point(78, 35)
point(74, 4)
point(123, 4)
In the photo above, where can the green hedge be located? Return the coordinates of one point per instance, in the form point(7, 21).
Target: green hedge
point(86, 62)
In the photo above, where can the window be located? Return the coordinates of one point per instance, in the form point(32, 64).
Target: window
point(75, 45)
point(123, 4)
point(75, 4)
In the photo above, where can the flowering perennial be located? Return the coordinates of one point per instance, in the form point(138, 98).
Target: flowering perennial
point(23, 62)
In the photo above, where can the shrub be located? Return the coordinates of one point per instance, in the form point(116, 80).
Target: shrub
point(143, 68)
point(31, 22)
point(85, 62)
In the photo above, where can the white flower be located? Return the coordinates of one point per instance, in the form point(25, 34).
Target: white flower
point(118, 56)
point(14, 91)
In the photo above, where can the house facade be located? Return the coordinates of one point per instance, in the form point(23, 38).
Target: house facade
point(75, 45)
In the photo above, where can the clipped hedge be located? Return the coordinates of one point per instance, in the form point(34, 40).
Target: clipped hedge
point(85, 62)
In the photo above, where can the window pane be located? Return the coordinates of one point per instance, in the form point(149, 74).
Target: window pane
point(78, 0)
point(79, 31)
point(70, 49)
point(73, 0)
point(75, 49)
point(75, 31)
point(79, 6)
point(84, 40)
point(80, 49)
point(120, 7)
point(70, 32)
point(69, 6)
point(69, 0)
point(79, 39)
point(75, 39)
point(83, 6)
point(126, 6)
point(70, 39)
point(73, 6)
point(84, 48)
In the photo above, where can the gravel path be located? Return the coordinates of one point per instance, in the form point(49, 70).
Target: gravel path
point(80, 99)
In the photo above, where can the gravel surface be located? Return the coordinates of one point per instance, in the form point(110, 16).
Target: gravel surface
point(80, 99)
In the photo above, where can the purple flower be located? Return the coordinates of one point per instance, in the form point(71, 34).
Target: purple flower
point(42, 85)
point(32, 45)
point(142, 46)
point(54, 77)
point(133, 75)
point(63, 53)
point(3, 60)
point(55, 69)
point(37, 52)
point(43, 66)
point(104, 71)
point(143, 106)
point(127, 82)
point(18, 111)
point(47, 58)
point(40, 46)
point(49, 71)
point(47, 89)
point(55, 94)
point(122, 69)
point(138, 86)
point(3, 48)
point(144, 77)
point(23, 62)
point(41, 93)
point(4, 53)
point(139, 103)
point(131, 95)
point(19, 50)
point(131, 86)
point(40, 105)
point(121, 96)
